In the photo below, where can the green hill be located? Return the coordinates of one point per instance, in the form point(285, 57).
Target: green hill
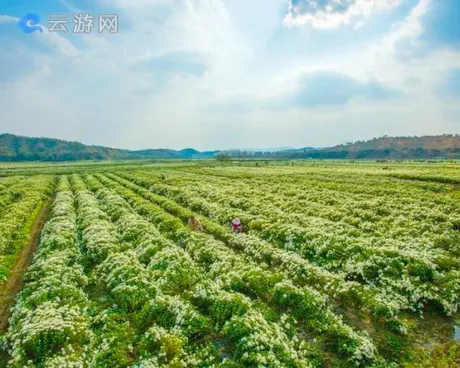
point(394, 148)
point(16, 148)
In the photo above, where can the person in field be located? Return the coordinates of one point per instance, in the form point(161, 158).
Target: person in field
point(195, 224)
point(237, 227)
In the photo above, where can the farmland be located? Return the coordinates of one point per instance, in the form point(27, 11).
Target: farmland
point(343, 264)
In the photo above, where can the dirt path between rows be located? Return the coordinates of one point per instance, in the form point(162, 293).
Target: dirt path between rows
point(15, 282)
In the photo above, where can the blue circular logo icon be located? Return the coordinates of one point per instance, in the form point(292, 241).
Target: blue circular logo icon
point(29, 23)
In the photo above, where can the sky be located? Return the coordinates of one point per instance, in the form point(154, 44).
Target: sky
point(221, 74)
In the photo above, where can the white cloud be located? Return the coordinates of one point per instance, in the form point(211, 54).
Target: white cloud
point(7, 19)
point(29, 109)
point(60, 43)
point(393, 55)
point(334, 13)
point(410, 28)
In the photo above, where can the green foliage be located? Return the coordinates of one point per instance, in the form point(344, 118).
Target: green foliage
point(16, 149)
point(223, 157)
point(337, 267)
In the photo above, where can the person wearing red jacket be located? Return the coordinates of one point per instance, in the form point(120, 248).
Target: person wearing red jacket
point(237, 227)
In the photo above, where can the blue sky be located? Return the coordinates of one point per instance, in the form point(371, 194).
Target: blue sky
point(215, 74)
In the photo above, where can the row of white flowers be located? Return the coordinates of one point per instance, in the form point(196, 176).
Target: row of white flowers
point(234, 272)
point(173, 272)
point(11, 190)
point(357, 206)
point(377, 212)
point(20, 203)
point(297, 269)
point(50, 324)
point(364, 259)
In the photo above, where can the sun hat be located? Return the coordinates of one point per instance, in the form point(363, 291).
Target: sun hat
point(236, 221)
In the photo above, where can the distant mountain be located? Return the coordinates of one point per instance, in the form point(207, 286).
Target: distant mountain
point(188, 153)
point(427, 147)
point(16, 148)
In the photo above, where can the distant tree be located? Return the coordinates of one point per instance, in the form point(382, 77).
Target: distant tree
point(223, 157)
